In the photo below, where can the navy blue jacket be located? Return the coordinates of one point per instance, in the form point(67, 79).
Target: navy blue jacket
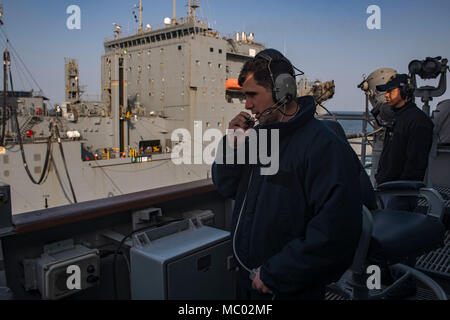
point(406, 146)
point(301, 225)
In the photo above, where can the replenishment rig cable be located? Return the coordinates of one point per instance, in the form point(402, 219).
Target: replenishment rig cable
point(65, 163)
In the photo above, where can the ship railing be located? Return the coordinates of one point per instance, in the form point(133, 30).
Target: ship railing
point(360, 139)
point(158, 27)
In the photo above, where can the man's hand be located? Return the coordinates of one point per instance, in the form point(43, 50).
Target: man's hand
point(258, 285)
point(242, 122)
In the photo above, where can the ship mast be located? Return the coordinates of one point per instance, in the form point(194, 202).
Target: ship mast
point(140, 16)
point(140, 28)
point(6, 62)
point(192, 9)
point(174, 15)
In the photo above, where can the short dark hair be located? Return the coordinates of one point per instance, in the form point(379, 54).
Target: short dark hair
point(259, 69)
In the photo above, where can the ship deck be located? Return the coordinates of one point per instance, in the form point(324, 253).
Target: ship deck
point(85, 221)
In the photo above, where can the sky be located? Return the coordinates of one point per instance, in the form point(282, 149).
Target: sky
point(327, 39)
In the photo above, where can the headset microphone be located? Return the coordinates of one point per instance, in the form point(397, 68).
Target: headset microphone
point(274, 107)
point(269, 111)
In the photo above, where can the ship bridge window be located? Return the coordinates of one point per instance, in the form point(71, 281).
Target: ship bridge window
point(134, 42)
point(191, 30)
point(163, 37)
point(168, 35)
point(174, 34)
point(158, 38)
point(196, 30)
point(147, 39)
point(152, 38)
point(180, 33)
point(185, 32)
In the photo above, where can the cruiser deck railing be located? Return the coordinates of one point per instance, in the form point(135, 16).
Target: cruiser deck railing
point(82, 211)
point(366, 120)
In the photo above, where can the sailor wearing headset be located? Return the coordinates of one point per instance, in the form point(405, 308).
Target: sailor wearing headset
point(297, 230)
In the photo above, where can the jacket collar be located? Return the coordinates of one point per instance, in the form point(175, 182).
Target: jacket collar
point(407, 106)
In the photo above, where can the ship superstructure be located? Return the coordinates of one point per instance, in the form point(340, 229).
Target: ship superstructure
point(176, 74)
point(153, 82)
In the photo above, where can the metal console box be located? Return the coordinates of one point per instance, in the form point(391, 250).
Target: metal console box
point(182, 261)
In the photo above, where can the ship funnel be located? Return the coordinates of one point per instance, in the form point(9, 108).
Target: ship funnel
point(167, 21)
point(251, 36)
point(244, 36)
point(237, 36)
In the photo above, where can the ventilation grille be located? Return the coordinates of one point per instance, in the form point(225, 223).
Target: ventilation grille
point(438, 261)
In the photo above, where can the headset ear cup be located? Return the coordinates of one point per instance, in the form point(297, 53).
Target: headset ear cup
point(411, 90)
point(407, 91)
point(285, 88)
point(403, 93)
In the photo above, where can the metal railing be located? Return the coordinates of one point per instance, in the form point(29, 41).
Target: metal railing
point(366, 119)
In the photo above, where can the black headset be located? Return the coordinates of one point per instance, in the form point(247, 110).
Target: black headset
point(281, 71)
point(407, 91)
